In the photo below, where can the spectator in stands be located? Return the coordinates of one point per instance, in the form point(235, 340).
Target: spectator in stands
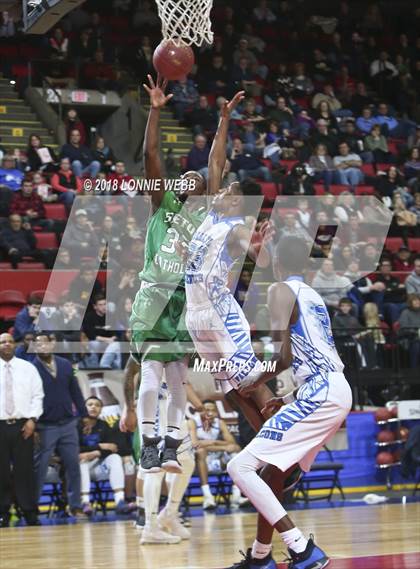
point(360, 99)
point(58, 44)
point(413, 140)
point(282, 114)
point(63, 260)
point(412, 166)
point(7, 25)
point(384, 74)
point(243, 52)
point(27, 203)
point(293, 229)
point(367, 121)
point(354, 234)
point(391, 301)
point(80, 156)
point(324, 112)
point(402, 260)
point(10, 176)
point(22, 349)
point(376, 143)
point(216, 78)
point(110, 235)
point(103, 154)
point(263, 14)
point(390, 125)
point(123, 179)
point(324, 136)
point(374, 212)
point(73, 122)
point(331, 286)
point(329, 97)
point(250, 113)
point(198, 156)
point(298, 182)
point(242, 77)
point(323, 166)
point(347, 207)
point(409, 328)
point(303, 86)
point(83, 47)
point(214, 446)
point(404, 221)
point(66, 184)
point(202, 119)
point(99, 456)
point(362, 286)
point(412, 283)
point(81, 237)
point(17, 241)
point(85, 287)
point(102, 338)
point(303, 213)
point(386, 184)
point(57, 426)
point(253, 140)
point(355, 141)
point(43, 189)
point(40, 157)
point(27, 319)
point(247, 164)
point(348, 166)
point(185, 96)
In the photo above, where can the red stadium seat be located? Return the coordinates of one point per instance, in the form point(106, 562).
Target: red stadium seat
point(368, 170)
point(393, 244)
point(11, 301)
point(414, 244)
point(267, 163)
point(55, 211)
point(269, 190)
point(383, 167)
point(46, 241)
point(31, 266)
point(319, 189)
point(288, 164)
point(112, 208)
point(337, 189)
point(365, 191)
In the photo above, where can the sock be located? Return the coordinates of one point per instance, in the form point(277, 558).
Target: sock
point(118, 496)
point(147, 408)
point(205, 488)
point(260, 550)
point(151, 494)
point(139, 502)
point(175, 374)
point(178, 483)
point(295, 540)
point(85, 499)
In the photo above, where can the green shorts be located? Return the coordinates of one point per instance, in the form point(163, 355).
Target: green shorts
point(158, 317)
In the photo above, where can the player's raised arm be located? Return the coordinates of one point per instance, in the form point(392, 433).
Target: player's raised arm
point(217, 157)
point(153, 167)
point(254, 243)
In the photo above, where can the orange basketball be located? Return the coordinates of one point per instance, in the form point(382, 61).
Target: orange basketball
point(172, 61)
point(382, 414)
point(386, 437)
point(384, 457)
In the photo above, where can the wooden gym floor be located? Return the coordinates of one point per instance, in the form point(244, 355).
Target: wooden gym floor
point(364, 537)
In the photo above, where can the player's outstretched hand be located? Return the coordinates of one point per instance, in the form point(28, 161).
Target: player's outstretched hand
point(230, 106)
point(128, 421)
point(272, 406)
point(156, 91)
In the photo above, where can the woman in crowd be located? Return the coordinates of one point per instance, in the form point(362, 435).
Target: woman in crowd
point(323, 166)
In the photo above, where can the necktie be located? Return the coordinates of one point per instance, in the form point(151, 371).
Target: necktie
point(9, 404)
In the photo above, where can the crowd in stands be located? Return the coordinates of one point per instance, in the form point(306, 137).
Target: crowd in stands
point(331, 110)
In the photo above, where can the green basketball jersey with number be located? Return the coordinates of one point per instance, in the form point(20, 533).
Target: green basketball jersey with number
point(170, 223)
point(158, 311)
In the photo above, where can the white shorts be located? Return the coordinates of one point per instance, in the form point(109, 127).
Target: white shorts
point(299, 430)
point(224, 342)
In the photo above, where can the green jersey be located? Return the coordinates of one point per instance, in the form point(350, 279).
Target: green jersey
point(158, 313)
point(170, 223)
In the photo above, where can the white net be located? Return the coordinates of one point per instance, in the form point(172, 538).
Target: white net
point(186, 21)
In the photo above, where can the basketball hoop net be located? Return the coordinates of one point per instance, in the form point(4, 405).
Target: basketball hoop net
point(186, 21)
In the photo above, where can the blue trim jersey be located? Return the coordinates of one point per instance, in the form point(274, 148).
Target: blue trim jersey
point(313, 347)
point(209, 263)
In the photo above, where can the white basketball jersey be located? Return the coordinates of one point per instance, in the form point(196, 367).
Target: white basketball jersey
point(208, 264)
point(313, 345)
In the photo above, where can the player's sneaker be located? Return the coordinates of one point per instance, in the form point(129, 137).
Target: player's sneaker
point(209, 503)
point(140, 519)
point(124, 508)
point(312, 558)
point(169, 459)
point(172, 524)
point(249, 563)
point(156, 535)
point(149, 460)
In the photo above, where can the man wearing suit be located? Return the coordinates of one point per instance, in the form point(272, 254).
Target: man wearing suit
point(21, 396)
point(57, 425)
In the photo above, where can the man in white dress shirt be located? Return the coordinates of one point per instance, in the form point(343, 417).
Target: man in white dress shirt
point(21, 395)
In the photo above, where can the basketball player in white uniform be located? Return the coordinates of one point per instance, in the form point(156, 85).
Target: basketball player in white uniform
point(304, 420)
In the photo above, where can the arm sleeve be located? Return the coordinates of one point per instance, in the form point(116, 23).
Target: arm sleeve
point(37, 393)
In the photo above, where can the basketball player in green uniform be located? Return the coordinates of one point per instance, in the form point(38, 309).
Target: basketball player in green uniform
point(157, 313)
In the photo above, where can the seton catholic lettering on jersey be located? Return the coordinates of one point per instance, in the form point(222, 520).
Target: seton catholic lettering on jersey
point(171, 222)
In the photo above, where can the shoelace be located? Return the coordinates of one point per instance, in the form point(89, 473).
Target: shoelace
point(242, 564)
point(289, 559)
point(150, 453)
